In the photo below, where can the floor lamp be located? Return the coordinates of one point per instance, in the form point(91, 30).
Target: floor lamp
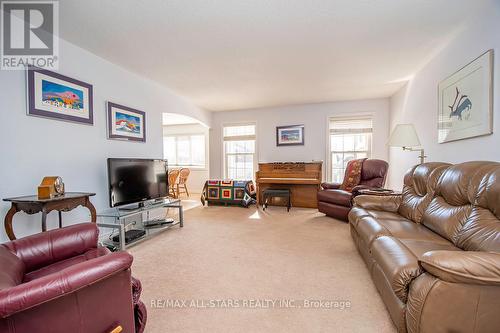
point(405, 136)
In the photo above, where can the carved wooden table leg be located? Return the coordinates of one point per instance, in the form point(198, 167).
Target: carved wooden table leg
point(60, 219)
point(91, 208)
point(44, 220)
point(8, 222)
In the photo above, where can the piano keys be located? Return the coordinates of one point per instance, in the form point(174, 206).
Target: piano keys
point(303, 180)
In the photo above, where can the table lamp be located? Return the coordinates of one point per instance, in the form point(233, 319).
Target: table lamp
point(405, 136)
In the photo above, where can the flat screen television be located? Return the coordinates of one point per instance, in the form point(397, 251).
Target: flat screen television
point(134, 180)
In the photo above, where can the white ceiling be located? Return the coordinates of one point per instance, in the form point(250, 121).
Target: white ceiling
point(230, 54)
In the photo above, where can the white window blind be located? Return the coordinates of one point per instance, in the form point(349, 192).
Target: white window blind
point(350, 125)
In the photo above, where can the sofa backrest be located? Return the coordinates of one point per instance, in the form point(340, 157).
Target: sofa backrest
point(45, 248)
point(418, 189)
point(374, 173)
point(465, 207)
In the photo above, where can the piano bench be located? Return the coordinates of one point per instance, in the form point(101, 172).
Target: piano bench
point(270, 193)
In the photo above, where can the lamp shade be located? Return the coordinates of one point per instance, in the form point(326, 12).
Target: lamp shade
point(404, 135)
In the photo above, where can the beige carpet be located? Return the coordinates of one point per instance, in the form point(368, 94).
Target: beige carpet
point(252, 258)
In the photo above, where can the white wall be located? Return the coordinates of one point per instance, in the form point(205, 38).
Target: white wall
point(313, 116)
point(417, 102)
point(34, 147)
point(198, 176)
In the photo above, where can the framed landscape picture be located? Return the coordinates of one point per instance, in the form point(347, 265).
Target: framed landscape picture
point(466, 101)
point(56, 96)
point(292, 135)
point(125, 123)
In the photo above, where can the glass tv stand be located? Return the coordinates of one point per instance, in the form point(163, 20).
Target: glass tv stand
point(121, 220)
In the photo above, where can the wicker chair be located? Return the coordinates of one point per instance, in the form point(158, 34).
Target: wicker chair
point(173, 176)
point(181, 183)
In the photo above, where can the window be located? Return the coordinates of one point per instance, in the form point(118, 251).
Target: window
point(184, 150)
point(350, 138)
point(239, 151)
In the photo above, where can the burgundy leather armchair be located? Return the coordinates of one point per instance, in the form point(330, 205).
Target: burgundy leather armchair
point(61, 281)
point(336, 203)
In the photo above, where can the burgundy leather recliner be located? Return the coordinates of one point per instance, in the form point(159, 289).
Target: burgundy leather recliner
point(336, 203)
point(61, 281)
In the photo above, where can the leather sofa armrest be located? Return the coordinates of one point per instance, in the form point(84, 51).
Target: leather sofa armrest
point(469, 267)
point(388, 203)
point(55, 245)
point(59, 284)
point(330, 186)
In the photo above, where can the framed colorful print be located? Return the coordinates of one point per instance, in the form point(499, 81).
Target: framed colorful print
point(125, 123)
point(56, 96)
point(466, 101)
point(292, 135)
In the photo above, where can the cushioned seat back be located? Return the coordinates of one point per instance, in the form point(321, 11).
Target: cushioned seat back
point(455, 201)
point(481, 230)
point(11, 269)
point(418, 189)
point(46, 248)
point(374, 173)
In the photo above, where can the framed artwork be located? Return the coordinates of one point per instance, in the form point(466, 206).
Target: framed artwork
point(125, 123)
point(292, 135)
point(466, 101)
point(52, 95)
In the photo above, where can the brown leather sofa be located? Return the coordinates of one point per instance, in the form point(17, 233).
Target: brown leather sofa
point(61, 281)
point(434, 252)
point(336, 203)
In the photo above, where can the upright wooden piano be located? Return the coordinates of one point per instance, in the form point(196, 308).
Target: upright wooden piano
point(303, 180)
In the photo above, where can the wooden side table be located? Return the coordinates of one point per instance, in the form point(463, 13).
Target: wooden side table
point(31, 205)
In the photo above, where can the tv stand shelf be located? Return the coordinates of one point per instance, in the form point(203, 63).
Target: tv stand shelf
point(119, 220)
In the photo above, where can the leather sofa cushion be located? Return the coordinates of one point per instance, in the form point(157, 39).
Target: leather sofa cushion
point(446, 219)
point(481, 232)
point(11, 269)
point(398, 264)
point(338, 197)
point(369, 228)
point(461, 189)
point(420, 247)
point(418, 189)
point(43, 249)
point(374, 172)
point(410, 230)
point(378, 214)
point(356, 214)
point(60, 265)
